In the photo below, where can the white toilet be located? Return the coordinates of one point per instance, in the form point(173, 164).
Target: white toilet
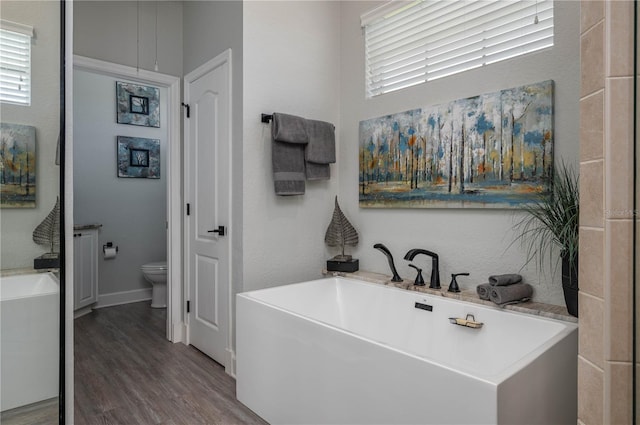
point(156, 274)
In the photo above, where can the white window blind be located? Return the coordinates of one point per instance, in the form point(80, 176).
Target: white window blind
point(15, 63)
point(408, 43)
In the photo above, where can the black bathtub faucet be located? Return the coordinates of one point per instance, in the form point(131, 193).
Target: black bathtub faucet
point(396, 277)
point(435, 270)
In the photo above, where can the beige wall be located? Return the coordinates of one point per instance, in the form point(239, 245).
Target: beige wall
point(606, 173)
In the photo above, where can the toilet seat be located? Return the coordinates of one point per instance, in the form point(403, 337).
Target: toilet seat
point(157, 266)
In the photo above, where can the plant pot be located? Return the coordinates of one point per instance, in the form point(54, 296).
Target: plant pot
point(570, 285)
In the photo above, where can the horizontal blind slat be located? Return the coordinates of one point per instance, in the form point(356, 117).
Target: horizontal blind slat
point(433, 39)
point(434, 35)
point(10, 79)
point(457, 65)
point(474, 13)
point(20, 56)
point(421, 14)
point(15, 94)
point(496, 56)
point(459, 47)
point(489, 46)
point(399, 85)
point(15, 67)
point(498, 25)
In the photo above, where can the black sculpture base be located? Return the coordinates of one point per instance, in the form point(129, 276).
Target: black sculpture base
point(349, 266)
point(47, 261)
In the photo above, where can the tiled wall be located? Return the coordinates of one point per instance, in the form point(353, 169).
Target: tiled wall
point(606, 182)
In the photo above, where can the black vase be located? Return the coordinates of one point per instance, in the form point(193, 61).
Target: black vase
point(570, 284)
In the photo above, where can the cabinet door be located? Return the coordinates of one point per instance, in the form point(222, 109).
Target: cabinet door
point(85, 257)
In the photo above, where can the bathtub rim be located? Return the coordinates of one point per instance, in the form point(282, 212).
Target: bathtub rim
point(493, 379)
point(52, 285)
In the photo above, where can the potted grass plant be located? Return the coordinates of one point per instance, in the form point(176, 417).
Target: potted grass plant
point(553, 221)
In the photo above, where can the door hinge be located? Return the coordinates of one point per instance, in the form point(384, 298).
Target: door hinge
point(188, 209)
point(188, 108)
point(188, 306)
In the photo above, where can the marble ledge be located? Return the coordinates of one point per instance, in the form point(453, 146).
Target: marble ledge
point(86, 226)
point(550, 311)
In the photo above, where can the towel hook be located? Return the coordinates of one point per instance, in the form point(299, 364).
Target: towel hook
point(266, 118)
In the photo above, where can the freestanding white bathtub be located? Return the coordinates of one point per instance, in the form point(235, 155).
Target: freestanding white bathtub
point(344, 351)
point(29, 346)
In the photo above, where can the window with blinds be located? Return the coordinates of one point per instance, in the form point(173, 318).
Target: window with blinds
point(15, 63)
point(408, 43)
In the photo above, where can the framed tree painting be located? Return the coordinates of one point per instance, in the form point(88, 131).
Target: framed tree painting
point(17, 166)
point(489, 151)
point(137, 105)
point(138, 157)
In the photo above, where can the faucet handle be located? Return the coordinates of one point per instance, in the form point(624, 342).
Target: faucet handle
point(419, 279)
point(453, 286)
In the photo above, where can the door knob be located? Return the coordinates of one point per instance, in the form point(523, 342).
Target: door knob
point(219, 231)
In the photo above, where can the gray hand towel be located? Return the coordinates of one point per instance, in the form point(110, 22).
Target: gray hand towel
point(289, 134)
point(288, 168)
point(504, 279)
point(322, 142)
point(507, 294)
point(483, 291)
point(317, 171)
point(321, 149)
point(289, 128)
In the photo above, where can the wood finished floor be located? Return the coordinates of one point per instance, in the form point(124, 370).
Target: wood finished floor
point(41, 413)
point(126, 372)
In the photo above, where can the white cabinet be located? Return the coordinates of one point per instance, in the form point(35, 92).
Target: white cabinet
point(85, 267)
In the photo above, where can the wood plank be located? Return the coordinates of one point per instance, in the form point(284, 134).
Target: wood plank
point(41, 413)
point(127, 372)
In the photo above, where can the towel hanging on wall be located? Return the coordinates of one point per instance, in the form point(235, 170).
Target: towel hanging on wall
point(321, 149)
point(289, 138)
point(289, 128)
point(314, 139)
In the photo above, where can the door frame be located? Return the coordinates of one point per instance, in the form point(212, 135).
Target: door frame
point(175, 328)
point(220, 60)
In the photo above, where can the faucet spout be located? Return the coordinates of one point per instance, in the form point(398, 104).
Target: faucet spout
point(435, 265)
point(396, 277)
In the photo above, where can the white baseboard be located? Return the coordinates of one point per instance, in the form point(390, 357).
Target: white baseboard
point(124, 297)
point(179, 333)
point(82, 311)
point(231, 361)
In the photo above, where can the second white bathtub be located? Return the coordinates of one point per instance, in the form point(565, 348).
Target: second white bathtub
point(345, 351)
point(29, 344)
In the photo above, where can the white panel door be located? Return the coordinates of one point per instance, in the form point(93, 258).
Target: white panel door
point(208, 173)
point(85, 268)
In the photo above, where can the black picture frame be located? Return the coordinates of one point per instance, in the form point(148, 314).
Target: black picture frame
point(138, 157)
point(139, 105)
